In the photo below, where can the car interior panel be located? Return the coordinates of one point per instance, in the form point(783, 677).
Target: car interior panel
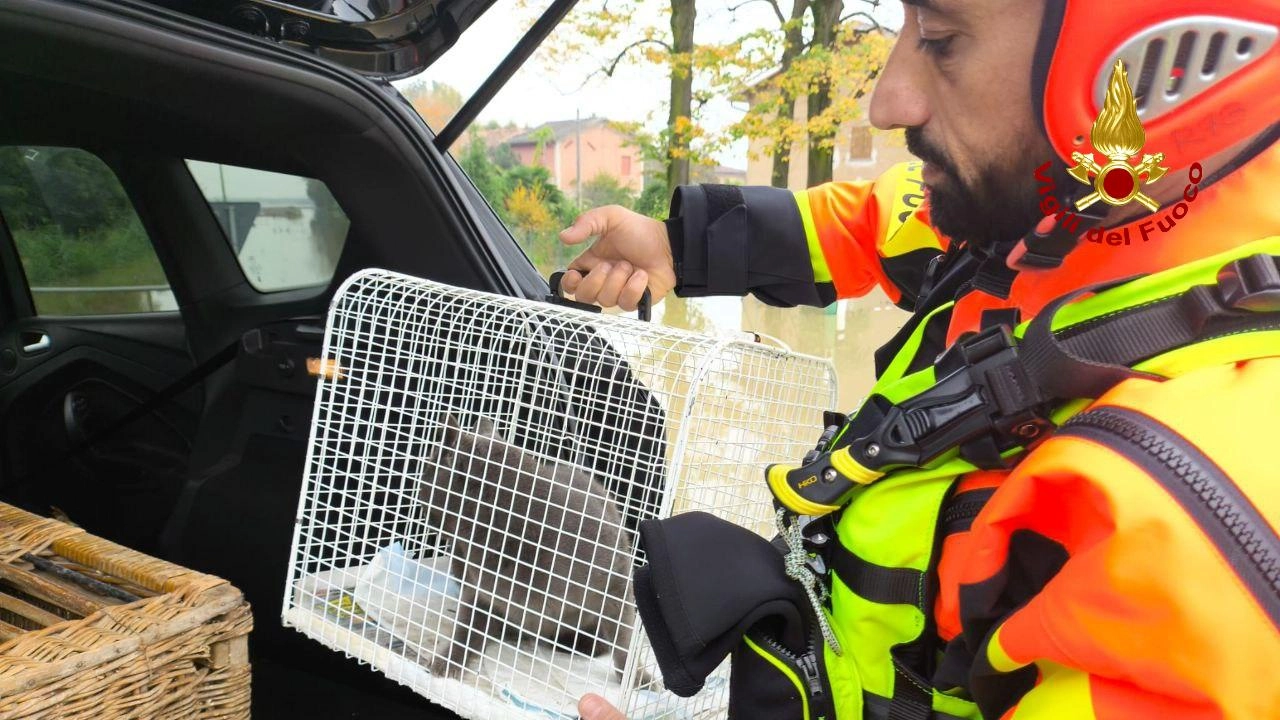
point(210, 477)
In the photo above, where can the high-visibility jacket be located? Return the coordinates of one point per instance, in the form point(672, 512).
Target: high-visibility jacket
point(1128, 565)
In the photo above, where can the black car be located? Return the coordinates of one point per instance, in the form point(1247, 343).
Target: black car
point(183, 185)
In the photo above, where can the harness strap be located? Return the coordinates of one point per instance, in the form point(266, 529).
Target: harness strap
point(903, 586)
point(1062, 371)
point(912, 698)
point(877, 583)
point(1088, 359)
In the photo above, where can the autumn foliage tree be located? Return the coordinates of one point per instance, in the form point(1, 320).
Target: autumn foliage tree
point(617, 33)
point(830, 72)
point(435, 101)
point(822, 55)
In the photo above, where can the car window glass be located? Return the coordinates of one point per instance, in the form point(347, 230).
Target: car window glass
point(82, 247)
point(287, 231)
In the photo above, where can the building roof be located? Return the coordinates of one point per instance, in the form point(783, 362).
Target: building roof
point(494, 137)
point(560, 129)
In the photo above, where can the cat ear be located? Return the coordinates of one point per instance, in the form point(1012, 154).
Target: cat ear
point(452, 430)
point(486, 428)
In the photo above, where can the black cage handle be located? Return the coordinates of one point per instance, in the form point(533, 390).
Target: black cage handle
point(644, 310)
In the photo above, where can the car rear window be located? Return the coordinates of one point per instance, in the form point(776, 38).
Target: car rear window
point(287, 231)
point(82, 247)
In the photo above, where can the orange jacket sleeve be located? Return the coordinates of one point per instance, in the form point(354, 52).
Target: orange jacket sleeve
point(1126, 569)
point(810, 247)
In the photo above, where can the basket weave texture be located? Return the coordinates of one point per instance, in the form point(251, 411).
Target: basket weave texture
point(91, 629)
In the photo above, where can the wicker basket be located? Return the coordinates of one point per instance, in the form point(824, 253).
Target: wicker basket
point(90, 629)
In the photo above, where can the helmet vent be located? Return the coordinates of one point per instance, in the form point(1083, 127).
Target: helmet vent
point(1148, 74)
point(1173, 84)
point(1179, 59)
point(1217, 42)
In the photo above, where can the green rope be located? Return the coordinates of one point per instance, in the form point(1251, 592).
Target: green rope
point(797, 567)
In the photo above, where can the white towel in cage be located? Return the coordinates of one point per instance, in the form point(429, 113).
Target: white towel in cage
point(477, 468)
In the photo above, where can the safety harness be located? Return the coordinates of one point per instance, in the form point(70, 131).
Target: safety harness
point(995, 391)
point(981, 405)
point(835, 617)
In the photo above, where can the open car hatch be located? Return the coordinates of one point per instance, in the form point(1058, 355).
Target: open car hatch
point(385, 39)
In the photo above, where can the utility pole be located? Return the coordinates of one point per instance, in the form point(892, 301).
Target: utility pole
point(577, 151)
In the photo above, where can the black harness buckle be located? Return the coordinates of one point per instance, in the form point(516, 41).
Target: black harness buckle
point(985, 404)
point(1251, 283)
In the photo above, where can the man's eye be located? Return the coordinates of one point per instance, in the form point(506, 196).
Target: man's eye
point(938, 47)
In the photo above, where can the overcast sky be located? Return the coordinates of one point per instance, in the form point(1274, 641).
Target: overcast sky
point(539, 93)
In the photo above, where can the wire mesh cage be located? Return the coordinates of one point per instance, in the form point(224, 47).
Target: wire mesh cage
point(477, 470)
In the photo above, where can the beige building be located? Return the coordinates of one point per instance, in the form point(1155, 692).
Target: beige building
point(860, 154)
point(604, 150)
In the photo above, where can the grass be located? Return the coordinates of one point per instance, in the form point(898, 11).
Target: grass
point(117, 255)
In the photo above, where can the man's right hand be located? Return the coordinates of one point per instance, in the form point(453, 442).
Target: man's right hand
point(631, 252)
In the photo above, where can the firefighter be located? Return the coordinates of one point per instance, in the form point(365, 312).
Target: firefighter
point(1123, 560)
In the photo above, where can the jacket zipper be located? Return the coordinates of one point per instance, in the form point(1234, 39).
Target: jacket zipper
point(806, 667)
point(959, 511)
point(1203, 489)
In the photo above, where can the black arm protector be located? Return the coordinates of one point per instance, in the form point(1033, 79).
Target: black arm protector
point(707, 583)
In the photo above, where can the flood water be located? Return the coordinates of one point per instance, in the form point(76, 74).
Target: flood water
point(847, 332)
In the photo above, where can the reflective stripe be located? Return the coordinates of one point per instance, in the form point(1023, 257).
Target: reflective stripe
point(821, 273)
point(1063, 693)
point(998, 658)
point(804, 696)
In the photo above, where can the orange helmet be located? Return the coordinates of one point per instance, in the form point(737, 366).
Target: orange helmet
point(1206, 76)
point(1206, 73)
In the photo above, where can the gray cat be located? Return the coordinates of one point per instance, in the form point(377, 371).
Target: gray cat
point(539, 548)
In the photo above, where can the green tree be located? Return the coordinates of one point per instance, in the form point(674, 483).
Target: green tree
point(680, 123)
point(538, 178)
point(623, 32)
point(488, 178)
point(655, 199)
point(604, 189)
point(504, 157)
point(829, 71)
point(20, 198)
point(80, 190)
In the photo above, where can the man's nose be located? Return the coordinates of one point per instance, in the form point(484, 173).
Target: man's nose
point(899, 100)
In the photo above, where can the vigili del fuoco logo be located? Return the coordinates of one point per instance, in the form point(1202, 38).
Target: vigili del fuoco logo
point(1118, 136)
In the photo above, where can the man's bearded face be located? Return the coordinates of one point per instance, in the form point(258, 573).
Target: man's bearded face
point(959, 82)
point(999, 205)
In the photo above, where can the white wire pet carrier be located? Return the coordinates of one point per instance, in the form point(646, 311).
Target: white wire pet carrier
point(477, 469)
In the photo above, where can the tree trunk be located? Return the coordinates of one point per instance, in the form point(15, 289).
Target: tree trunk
point(793, 40)
point(682, 16)
point(826, 18)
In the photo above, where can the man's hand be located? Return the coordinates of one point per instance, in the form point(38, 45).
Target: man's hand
point(594, 707)
point(632, 252)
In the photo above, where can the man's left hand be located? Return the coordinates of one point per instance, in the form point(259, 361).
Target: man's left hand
point(594, 707)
